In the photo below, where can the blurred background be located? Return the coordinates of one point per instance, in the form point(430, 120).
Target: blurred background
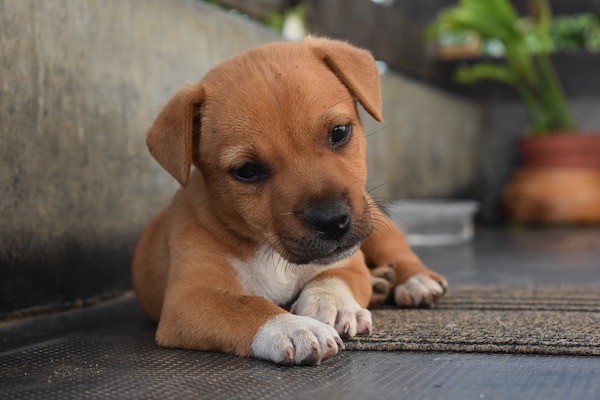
point(445, 57)
point(467, 87)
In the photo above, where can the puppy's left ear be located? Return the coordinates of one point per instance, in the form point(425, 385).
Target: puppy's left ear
point(355, 67)
point(170, 139)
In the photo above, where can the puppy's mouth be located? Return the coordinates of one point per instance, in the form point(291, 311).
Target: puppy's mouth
point(326, 231)
point(337, 256)
point(307, 250)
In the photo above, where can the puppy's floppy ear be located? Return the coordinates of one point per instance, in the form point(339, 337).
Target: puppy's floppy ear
point(170, 139)
point(355, 67)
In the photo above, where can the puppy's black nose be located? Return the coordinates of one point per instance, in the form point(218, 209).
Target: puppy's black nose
point(329, 220)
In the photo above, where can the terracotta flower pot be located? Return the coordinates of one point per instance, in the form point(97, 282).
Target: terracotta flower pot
point(559, 181)
point(561, 150)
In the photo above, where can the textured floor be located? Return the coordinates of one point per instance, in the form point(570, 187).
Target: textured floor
point(560, 320)
point(107, 351)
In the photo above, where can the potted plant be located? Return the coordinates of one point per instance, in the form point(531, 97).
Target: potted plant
point(560, 177)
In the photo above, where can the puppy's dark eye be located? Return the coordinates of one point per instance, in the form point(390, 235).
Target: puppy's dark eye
point(250, 173)
point(340, 135)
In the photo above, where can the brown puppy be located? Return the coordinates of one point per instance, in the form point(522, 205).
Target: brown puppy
point(275, 212)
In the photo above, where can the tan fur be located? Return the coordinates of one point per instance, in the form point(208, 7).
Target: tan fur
point(275, 103)
point(388, 247)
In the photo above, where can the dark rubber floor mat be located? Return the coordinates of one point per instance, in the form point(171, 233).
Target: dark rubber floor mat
point(87, 366)
point(108, 352)
point(534, 320)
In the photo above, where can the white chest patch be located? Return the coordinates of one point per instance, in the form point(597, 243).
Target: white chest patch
point(269, 275)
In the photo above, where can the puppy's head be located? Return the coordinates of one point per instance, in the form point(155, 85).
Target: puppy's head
point(276, 134)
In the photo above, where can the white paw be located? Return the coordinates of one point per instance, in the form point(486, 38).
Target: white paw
point(418, 291)
point(291, 339)
point(331, 302)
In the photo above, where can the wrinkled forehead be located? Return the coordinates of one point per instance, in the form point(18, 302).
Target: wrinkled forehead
point(288, 91)
point(280, 80)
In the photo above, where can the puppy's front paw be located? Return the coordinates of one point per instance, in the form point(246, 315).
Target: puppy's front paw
point(419, 291)
point(331, 302)
point(296, 340)
point(382, 282)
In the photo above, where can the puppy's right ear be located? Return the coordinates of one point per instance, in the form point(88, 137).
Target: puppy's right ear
point(170, 139)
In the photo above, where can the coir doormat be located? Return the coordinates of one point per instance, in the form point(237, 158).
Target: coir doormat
point(531, 320)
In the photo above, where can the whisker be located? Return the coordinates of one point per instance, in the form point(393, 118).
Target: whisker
point(380, 185)
point(375, 178)
point(352, 184)
point(377, 131)
point(266, 253)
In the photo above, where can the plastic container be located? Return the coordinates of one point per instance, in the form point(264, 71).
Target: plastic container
point(434, 222)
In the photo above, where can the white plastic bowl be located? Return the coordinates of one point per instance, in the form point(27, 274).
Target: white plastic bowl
point(434, 222)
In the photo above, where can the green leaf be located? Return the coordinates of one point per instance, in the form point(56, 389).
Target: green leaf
point(474, 73)
point(527, 43)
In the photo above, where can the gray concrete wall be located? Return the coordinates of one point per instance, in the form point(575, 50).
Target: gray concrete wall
point(427, 146)
point(80, 82)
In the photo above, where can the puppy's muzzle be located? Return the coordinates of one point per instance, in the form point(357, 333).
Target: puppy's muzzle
point(328, 220)
point(330, 233)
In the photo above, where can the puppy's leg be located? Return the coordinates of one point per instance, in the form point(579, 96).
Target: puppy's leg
point(339, 297)
point(414, 284)
point(202, 318)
